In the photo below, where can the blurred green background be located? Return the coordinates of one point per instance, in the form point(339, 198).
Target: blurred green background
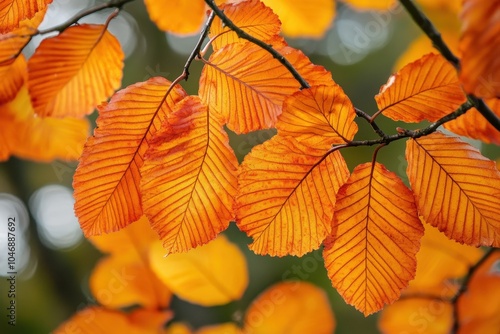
point(57, 260)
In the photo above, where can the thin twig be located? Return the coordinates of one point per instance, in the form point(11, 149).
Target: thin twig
point(428, 28)
point(269, 48)
point(371, 121)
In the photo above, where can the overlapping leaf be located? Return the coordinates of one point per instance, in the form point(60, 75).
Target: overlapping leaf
point(426, 89)
point(304, 18)
point(242, 90)
point(213, 274)
point(71, 73)
point(297, 307)
point(251, 16)
point(13, 76)
point(479, 46)
point(12, 12)
point(371, 256)
point(106, 182)
point(39, 139)
point(456, 188)
point(189, 178)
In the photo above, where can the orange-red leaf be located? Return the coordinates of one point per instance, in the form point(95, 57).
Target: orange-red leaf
point(480, 47)
point(474, 125)
point(318, 117)
point(178, 16)
point(13, 76)
point(249, 91)
point(304, 18)
point(286, 196)
point(189, 178)
point(456, 189)
point(371, 255)
point(40, 139)
point(12, 12)
point(213, 274)
point(251, 16)
point(426, 89)
point(106, 182)
point(71, 73)
point(292, 308)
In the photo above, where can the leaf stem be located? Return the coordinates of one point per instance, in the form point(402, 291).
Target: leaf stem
point(269, 48)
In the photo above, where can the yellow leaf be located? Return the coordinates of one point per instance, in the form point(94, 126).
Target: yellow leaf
point(71, 73)
point(456, 189)
point(371, 254)
point(286, 196)
point(292, 308)
point(443, 6)
point(474, 125)
point(39, 139)
point(177, 16)
point(12, 12)
point(479, 46)
point(178, 328)
point(318, 117)
point(249, 91)
point(251, 16)
point(426, 89)
point(99, 320)
point(304, 18)
point(213, 274)
point(227, 328)
point(189, 178)
point(13, 76)
point(106, 182)
point(371, 4)
point(417, 316)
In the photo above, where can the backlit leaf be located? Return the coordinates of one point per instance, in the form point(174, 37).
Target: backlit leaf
point(14, 11)
point(371, 4)
point(213, 274)
point(177, 16)
point(39, 139)
point(286, 196)
point(99, 320)
point(479, 46)
point(106, 182)
point(456, 189)
point(189, 178)
point(318, 117)
point(227, 328)
point(178, 328)
point(371, 256)
point(304, 18)
point(426, 89)
point(13, 76)
point(474, 125)
point(251, 16)
point(242, 90)
point(292, 308)
point(71, 73)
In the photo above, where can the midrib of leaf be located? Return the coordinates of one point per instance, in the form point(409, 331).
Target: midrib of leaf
point(328, 122)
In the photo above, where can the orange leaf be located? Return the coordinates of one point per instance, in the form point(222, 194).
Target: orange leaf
point(106, 182)
point(178, 16)
point(251, 16)
point(12, 12)
point(304, 18)
point(286, 196)
point(39, 139)
point(213, 274)
point(318, 117)
point(189, 178)
point(370, 4)
point(98, 320)
point(227, 328)
point(480, 46)
point(426, 89)
point(417, 316)
point(474, 125)
point(249, 91)
point(292, 308)
point(371, 256)
point(13, 77)
point(456, 189)
point(178, 328)
point(71, 73)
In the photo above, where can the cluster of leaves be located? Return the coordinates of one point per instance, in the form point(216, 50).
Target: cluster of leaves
point(163, 157)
